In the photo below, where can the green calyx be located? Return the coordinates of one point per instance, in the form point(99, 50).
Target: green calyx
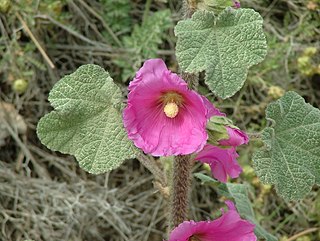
point(217, 130)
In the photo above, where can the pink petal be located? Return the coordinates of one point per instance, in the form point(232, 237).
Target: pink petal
point(148, 126)
point(223, 162)
point(229, 227)
point(236, 138)
point(150, 68)
point(236, 4)
point(212, 110)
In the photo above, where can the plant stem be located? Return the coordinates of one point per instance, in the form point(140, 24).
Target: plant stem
point(146, 10)
point(181, 185)
point(188, 8)
point(183, 164)
point(151, 165)
point(191, 79)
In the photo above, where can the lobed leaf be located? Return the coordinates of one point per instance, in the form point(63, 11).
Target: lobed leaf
point(86, 120)
point(224, 46)
point(290, 158)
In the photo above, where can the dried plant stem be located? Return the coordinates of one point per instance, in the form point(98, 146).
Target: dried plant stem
point(310, 230)
point(33, 38)
point(181, 185)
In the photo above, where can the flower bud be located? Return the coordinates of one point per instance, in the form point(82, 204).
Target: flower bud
point(4, 5)
point(20, 86)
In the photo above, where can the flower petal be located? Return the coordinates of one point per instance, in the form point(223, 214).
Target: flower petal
point(145, 120)
point(150, 69)
point(229, 227)
point(212, 110)
point(236, 137)
point(223, 162)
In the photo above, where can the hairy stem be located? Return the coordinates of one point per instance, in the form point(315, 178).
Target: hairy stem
point(191, 79)
point(188, 8)
point(151, 165)
point(181, 185)
point(183, 164)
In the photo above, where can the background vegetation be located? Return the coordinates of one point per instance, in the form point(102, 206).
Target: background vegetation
point(46, 196)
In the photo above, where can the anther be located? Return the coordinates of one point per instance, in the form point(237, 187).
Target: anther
point(171, 109)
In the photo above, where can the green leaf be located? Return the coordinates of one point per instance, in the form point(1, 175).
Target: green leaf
point(143, 42)
point(290, 158)
point(224, 46)
point(86, 120)
point(204, 178)
point(239, 192)
point(116, 14)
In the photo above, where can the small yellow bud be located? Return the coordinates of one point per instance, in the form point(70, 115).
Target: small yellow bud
point(275, 92)
point(304, 238)
point(303, 61)
point(310, 51)
point(20, 86)
point(266, 188)
point(4, 5)
point(171, 110)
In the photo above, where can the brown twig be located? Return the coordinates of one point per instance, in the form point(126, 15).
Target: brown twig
point(310, 230)
point(105, 25)
point(33, 38)
point(40, 170)
point(72, 32)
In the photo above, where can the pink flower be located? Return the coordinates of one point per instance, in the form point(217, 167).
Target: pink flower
point(229, 227)
point(236, 138)
point(212, 110)
point(223, 162)
point(163, 117)
point(236, 4)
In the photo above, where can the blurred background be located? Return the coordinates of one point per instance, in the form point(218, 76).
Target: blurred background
point(46, 196)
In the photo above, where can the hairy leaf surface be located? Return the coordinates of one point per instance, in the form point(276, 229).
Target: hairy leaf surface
point(224, 46)
point(290, 158)
point(86, 120)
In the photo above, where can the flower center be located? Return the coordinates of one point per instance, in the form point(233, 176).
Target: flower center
point(194, 238)
point(171, 109)
point(171, 101)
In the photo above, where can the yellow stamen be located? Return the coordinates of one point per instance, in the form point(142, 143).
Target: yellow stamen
point(171, 109)
point(171, 96)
